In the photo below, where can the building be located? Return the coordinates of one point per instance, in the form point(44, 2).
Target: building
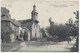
point(32, 24)
point(11, 30)
point(7, 26)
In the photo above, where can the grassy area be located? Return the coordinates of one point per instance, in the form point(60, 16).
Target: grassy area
point(5, 47)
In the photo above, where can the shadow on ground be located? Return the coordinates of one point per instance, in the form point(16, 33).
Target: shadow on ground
point(38, 44)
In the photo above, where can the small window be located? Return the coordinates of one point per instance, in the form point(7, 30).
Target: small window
point(2, 15)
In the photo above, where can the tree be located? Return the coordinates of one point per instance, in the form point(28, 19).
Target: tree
point(70, 22)
point(76, 27)
point(57, 30)
point(51, 22)
point(70, 29)
point(43, 33)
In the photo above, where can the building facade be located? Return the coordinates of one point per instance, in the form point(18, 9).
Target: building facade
point(7, 27)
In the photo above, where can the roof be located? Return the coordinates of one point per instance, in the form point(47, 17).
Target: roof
point(5, 14)
point(16, 23)
point(6, 17)
point(12, 21)
point(4, 9)
point(27, 20)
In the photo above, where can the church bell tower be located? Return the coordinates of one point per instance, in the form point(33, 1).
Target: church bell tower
point(34, 14)
point(35, 26)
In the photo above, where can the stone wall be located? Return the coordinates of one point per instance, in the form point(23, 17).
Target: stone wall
point(8, 33)
point(5, 31)
point(12, 32)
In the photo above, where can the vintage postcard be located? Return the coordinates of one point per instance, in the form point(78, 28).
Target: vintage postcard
point(39, 26)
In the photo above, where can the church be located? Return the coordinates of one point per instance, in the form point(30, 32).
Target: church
point(32, 25)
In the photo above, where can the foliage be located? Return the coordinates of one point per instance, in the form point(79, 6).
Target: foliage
point(62, 31)
point(76, 27)
point(58, 30)
point(43, 33)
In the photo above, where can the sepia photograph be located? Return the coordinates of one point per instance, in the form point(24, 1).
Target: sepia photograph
point(39, 26)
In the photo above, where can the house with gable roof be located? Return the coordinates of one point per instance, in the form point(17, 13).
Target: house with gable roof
point(11, 29)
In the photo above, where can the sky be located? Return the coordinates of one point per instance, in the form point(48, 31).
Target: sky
point(60, 11)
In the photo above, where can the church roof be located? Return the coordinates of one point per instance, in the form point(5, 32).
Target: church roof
point(27, 20)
